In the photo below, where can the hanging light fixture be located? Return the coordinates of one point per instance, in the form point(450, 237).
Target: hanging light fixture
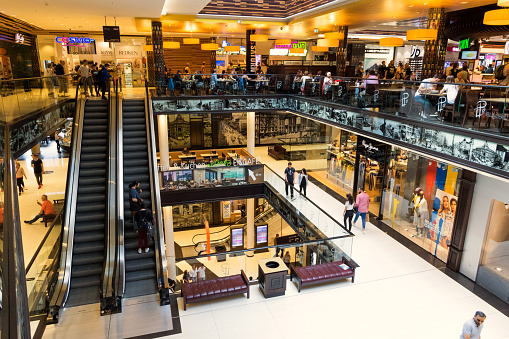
point(319, 49)
point(148, 48)
point(283, 41)
point(335, 36)
point(297, 50)
point(327, 42)
point(391, 42)
point(232, 48)
point(259, 37)
point(497, 17)
point(191, 41)
point(422, 34)
point(503, 3)
point(171, 44)
point(209, 47)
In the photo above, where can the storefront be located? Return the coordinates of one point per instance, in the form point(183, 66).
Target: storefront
point(16, 60)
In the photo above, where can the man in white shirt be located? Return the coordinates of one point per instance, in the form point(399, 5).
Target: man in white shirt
point(420, 96)
point(201, 272)
point(84, 72)
point(193, 273)
point(473, 327)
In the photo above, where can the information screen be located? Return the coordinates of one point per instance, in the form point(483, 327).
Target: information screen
point(261, 234)
point(237, 237)
point(468, 55)
point(111, 33)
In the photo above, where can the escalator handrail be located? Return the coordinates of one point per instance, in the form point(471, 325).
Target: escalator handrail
point(160, 250)
point(107, 281)
point(120, 270)
point(62, 288)
point(258, 217)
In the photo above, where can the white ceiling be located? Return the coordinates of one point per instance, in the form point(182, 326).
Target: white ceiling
point(83, 15)
point(188, 7)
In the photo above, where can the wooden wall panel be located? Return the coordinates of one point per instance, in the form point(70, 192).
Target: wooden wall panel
point(176, 59)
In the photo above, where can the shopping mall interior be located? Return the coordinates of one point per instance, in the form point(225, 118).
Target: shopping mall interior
point(240, 168)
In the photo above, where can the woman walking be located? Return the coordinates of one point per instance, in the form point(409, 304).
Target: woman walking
point(20, 173)
point(348, 212)
point(303, 181)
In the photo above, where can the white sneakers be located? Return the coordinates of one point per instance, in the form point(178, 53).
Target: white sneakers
point(146, 250)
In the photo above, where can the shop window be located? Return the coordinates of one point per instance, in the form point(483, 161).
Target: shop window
point(496, 246)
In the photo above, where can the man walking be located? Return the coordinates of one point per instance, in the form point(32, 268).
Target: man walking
point(38, 167)
point(104, 77)
point(47, 208)
point(62, 80)
point(85, 75)
point(362, 204)
point(473, 327)
point(289, 179)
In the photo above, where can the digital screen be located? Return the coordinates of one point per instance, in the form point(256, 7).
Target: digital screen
point(237, 237)
point(111, 33)
point(261, 234)
point(220, 63)
point(468, 55)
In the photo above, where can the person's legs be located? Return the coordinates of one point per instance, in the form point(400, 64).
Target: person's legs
point(291, 191)
point(350, 221)
point(363, 218)
point(19, 182)
point(103, 88)
point(305, 187)
point(286, 188)
point(142, 238)
point(58, 145)
point(38, 178)
point(356, 217)
point(37, 217)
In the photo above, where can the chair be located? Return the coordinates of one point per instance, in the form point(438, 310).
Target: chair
point(470, 107)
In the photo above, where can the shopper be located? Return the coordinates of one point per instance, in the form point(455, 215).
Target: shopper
point(426, 86)
point(362, 204)
point(278, 249)
point(47, 208)
point(202, 68)
point(60, 136)
point(450, 89)
point(134, 200)
point(20, 173)
point(104, 77)
point(287, 259)
point(348, 212)
point(382, 70)
point(171, 285)
point(289, 179)
point(84, 72)
point(186, 278)
point(359, 71)
point(464, 72)
point(38, 167)
point(193, 273)
point(96, 77)
point(62, 79)
point(145, 221)
point(201, 272)
point(473, 327)
point(303, 181)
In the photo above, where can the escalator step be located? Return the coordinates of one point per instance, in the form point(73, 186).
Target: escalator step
point(92, 189)
point(86, 217)
point(140, 287)
point(89, 227)
point(140, 275)
point(89, 247)
point(85, 150)
point(92, 142)
point(136, 155)
point(97, 113)
point(86, 270)
point(133, 112)
point(139, 178)
point(93, 172)
point(132, 254)
point(136, 162)
point(134, 141)
point(141, 133)
point(89, 206)
point(83, 237)
point(140, 265)
point(94, 280)
point(92, 157)
point(92, 128)
point(137, 121)
point(92, 164)
point(86, 183)
point(87, 259)
point(135, 148)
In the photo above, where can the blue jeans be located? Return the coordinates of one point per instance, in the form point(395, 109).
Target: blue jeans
point(363, 218)
point(428, 107)
point(37, 217)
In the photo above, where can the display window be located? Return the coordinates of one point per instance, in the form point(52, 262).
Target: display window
point(496, 246)
point(420, 200)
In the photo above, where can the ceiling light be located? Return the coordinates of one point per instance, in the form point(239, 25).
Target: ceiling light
point(335, 36)
point(422, 34)
point(171, 44)
point(191, 41)
point(327, 42)
point(503, 3)
point(259, 37)
point(319, 49)
point(497, 17)
point(283, 41)
point(209, 47)
point(391, 42)
point(297, 50)
point(232, 48)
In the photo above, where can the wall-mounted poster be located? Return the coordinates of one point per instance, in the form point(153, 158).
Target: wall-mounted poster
point(262, 235)
point(237, 236)
point(442, 218)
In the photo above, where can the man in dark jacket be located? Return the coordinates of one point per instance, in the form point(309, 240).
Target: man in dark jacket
point(104, 77)
point(62, 80)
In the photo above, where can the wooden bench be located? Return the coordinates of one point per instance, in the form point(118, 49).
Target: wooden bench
point(214, 288)
point(316, 274)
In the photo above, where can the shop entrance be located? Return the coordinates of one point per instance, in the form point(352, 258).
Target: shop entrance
point(370, 170)
point(196, 133)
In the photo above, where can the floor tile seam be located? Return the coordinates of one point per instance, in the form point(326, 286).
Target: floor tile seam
point(61, 325)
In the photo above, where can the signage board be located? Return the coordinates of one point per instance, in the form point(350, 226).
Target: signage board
point(465, 43)
point(237, 238)
point(292, 62)
point(262, 235)
point(111, 33)
point(128, 75)
point(321, 63)
point(128, 52)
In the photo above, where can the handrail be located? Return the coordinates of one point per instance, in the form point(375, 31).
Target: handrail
point(64, 277)
point(107, 283)
point(160, 250)
point(310, 201)
point(36, 78)
point(120, 271)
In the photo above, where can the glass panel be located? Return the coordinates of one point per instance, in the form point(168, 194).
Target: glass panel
point(496, 248)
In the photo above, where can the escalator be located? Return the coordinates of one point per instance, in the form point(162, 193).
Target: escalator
point(140, 269)
point(88, 252)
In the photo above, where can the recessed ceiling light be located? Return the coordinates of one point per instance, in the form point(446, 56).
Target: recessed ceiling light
point(464, 2)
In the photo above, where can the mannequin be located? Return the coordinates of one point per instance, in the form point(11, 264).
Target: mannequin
point(413, 207)
point(423, 212)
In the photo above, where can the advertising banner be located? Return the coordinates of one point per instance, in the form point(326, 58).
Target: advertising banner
point(442, 218)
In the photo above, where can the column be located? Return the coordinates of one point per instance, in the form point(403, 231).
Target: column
point(341, 52)
point(212, 57)
point(34, 53)
point(162, 132)
point(434, 50)
point(170, 241)
point(250, 211)
point(158, 52)
point(251, 118)
point(150, 64)
point(250, 52)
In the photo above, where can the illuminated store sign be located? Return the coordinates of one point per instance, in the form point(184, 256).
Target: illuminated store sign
point(294, 44)
point(73, 41)
point(19, 38)
point(465, 43)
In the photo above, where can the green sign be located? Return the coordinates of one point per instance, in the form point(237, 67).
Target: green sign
point(465, 43)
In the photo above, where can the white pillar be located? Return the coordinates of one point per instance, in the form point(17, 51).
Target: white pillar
point(164, 152)
point(250, 211)
point(251, 133)
point(170, 242)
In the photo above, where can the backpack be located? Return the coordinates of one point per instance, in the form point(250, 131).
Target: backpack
point(144, 223)
point(499, 72)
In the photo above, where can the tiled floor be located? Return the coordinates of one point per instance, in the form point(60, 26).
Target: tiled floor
point(396, 295)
